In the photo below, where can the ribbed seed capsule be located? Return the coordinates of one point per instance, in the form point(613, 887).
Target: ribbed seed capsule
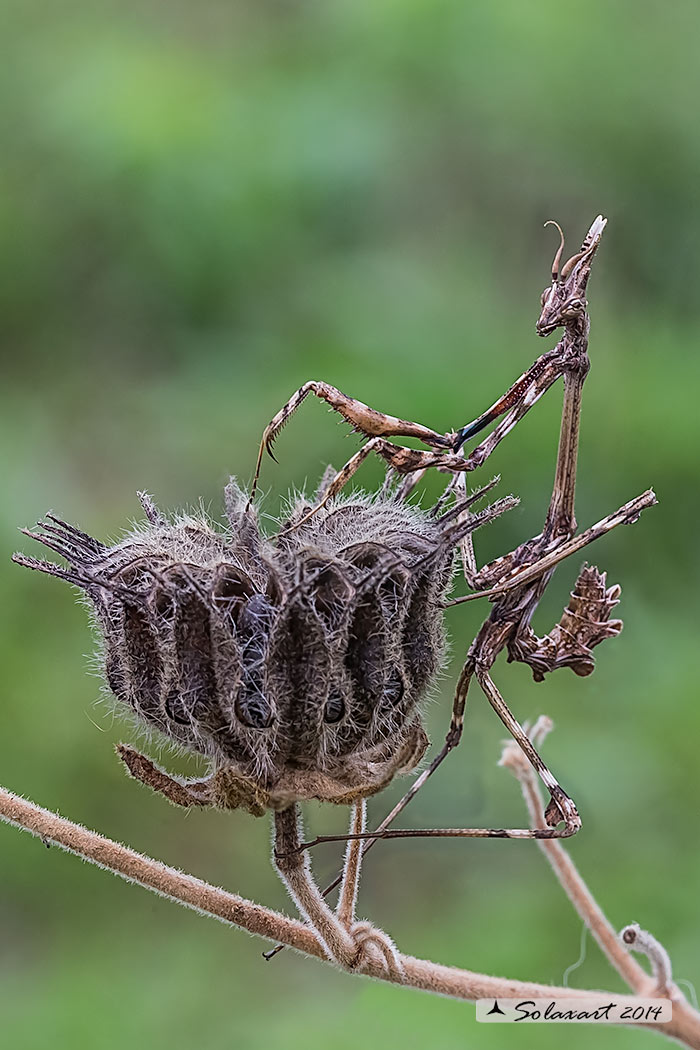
point(302, 655)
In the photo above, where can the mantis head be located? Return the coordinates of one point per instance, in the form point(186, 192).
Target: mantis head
point(564, 300)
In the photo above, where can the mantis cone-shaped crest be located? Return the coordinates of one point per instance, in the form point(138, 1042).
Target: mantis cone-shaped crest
point(564, 300)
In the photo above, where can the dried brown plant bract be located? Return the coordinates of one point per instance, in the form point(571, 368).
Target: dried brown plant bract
point(295, 662)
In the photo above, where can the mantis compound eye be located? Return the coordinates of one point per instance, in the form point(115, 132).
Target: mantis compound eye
point(573, 308)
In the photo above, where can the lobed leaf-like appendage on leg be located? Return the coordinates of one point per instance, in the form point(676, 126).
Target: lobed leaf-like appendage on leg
point(585, 623)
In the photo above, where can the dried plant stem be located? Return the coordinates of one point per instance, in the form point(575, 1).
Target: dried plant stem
point(640, 940)
point(685, 1026)
point(210, 900)
point(568, 875)
point(132, 866)
point(347, 899)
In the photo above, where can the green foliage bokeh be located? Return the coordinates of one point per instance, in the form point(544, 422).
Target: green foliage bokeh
point(202, 206)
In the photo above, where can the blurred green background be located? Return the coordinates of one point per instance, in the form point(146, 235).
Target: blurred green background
point(204, 205)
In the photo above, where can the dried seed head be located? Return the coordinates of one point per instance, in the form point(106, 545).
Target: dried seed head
point(298, 655)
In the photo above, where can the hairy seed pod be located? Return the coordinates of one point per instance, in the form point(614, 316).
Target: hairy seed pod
point(295, 662)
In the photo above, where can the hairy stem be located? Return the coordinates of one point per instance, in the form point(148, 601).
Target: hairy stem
point(572, 883)
point(237, 911)
point(685, 1026)
point(642, 941)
